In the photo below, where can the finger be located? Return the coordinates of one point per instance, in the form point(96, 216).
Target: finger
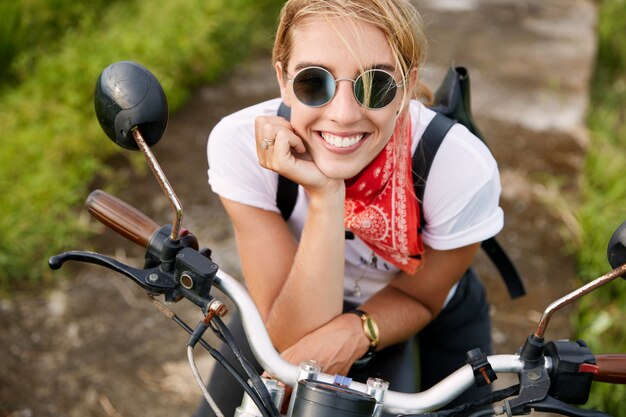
point(266, 128)
point(269, 131)
point(265, 137)
point(288, 141)
point(262, 140)
point(266, 143)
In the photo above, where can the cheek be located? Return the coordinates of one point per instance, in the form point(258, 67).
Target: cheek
point(386, 126)
point(302, 120)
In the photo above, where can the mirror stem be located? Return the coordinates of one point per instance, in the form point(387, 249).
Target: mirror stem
point(163, 182)
point(575, 295)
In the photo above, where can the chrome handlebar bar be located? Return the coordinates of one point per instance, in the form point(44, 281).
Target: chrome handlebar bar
point(395, 402)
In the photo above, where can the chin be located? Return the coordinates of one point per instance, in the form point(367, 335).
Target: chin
point(339, 172)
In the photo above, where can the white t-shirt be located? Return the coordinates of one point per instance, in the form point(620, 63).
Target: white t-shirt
point(461, 199)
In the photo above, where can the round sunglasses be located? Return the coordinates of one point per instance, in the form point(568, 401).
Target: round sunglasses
point(316, 86)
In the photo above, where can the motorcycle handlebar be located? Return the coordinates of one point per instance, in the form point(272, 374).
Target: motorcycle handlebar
point(611, 368)
point(139, 228)
point(121, 217)
point(395, 402)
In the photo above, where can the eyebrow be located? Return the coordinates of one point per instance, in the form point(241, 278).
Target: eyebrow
point(385, 67)
point(303, 65)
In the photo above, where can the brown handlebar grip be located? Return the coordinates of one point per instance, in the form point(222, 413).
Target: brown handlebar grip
point(121, 217)
point(611, 368)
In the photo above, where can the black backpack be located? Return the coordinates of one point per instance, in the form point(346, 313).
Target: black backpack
point(452, 104)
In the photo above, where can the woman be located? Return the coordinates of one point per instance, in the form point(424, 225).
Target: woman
point(349, 72)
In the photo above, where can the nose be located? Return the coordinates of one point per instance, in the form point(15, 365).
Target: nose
point(344, 108)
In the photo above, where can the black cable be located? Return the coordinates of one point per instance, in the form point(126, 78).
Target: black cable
point(223, 333)
point(255, 378)
point(226, 337)
point(489, 411)
point(219, 358)
point(255, 382)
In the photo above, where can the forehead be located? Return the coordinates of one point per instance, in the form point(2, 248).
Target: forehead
point(339, 44)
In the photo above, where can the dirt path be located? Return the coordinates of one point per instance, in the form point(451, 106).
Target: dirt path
point(92, 346)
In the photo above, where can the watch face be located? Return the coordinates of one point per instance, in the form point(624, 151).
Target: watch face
point(371, 330)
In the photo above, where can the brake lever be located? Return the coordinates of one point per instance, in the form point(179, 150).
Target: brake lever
point(189, 275)
point(534, 387)
point(152, 279)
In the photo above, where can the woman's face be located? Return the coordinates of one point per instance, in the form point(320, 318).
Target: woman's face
point(317, 42)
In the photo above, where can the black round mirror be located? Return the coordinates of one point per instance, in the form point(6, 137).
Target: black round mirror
point(617, 247)
point(127, 95)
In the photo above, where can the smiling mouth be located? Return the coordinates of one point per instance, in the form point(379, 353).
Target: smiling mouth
point(341, 141)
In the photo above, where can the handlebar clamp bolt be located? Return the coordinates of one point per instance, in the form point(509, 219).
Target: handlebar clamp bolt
point(310, 367)
point(218, 308)
point(377, 387)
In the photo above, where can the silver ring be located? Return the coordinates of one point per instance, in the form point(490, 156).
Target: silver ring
point(266, 143)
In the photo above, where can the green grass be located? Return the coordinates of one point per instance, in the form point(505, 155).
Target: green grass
point(601, 318)
point(51, 146)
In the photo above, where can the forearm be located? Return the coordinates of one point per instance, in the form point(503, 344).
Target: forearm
point(409, 303)
point(398, 315)
point(401, 309)
point(339, 343)
point(312, 293)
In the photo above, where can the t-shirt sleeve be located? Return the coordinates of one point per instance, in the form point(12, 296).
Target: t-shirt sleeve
point(461, 199)
point(234, 171)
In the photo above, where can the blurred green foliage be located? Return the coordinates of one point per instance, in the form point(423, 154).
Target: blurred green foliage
point(601, 318)
point(50, 142)
point(32, 28)
point(10, 36)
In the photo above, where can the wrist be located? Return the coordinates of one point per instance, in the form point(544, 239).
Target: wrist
point(333, 192)
point(370, 333)
point(328, 203)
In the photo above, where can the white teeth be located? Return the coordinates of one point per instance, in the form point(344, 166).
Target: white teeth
point(341, 141)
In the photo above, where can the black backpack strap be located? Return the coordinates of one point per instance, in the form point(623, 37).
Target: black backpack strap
point(423, 159)
point(501, 260)
point(286, 196)
point(287, 192)
point(284, 111)
point(425, 153)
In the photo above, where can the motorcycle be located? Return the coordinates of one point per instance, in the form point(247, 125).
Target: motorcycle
point(553, 375)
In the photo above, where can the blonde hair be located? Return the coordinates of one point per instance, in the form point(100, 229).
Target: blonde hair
point(397, 19)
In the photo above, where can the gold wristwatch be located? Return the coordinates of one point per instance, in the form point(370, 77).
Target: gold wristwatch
point(370, 328)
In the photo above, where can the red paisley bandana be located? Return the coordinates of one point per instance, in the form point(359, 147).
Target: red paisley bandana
point(381, 208)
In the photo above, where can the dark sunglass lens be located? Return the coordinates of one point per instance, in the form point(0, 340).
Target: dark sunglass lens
point(375, 89)
point(314, 86)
